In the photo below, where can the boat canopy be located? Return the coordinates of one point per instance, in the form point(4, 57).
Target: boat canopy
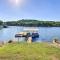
point(31, 29)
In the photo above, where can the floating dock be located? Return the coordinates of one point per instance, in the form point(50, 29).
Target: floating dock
point(29, 34)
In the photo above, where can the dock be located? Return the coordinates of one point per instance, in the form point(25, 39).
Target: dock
point(29, 34)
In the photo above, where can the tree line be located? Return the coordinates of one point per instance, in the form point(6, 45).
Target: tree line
point(37, 23)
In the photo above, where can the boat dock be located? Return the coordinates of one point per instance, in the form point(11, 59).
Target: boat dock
point(29, 34)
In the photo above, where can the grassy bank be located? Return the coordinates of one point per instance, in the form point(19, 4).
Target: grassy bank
point(34, 51)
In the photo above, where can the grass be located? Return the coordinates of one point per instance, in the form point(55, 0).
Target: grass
point(25, 51)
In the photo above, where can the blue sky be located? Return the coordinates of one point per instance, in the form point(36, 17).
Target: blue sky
point(33, 9)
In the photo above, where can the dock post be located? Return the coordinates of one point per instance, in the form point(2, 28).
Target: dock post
point(18, 39)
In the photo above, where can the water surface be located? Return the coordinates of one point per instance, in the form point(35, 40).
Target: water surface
point(45, 33)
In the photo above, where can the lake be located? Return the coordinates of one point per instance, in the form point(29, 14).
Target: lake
point(46, 34)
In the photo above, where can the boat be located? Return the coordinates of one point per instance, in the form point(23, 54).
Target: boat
point(23, 34)
point(28, 32)
point(33, 31)
point(4, 26)
point(35, 35)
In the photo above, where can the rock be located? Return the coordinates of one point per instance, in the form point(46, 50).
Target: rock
point(56, 41)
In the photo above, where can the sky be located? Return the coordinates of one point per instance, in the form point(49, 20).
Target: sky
point(47, 10)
